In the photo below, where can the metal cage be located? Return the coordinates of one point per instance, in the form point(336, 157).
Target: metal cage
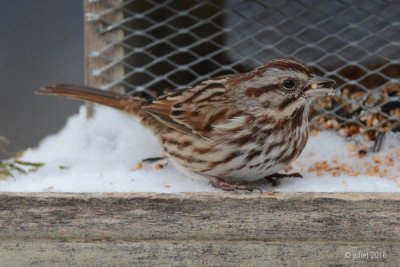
point(147, 46)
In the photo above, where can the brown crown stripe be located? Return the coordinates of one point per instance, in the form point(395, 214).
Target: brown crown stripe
point(282, 64)
point(288, 64)
point(256, 92)
point(231, 156)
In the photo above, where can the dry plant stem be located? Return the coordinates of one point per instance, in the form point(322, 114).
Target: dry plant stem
point(3, 144)
point(8, 167)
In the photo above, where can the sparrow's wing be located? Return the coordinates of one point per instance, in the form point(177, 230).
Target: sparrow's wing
point(194, 110)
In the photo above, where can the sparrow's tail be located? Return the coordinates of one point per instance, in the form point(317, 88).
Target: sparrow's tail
point(119, 101)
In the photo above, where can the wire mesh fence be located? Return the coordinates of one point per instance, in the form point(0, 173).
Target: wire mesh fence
point(172, 44)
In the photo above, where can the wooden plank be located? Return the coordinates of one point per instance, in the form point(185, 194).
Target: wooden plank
point(199, 253)
point(132, 217)
point(96, 41)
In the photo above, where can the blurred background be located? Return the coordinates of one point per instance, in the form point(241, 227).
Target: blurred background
point(174, 43)
point(42, 44)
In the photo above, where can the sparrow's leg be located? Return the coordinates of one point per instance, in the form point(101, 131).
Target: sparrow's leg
point(218, 183)
point(274, 178)
point(152, 160)
point(158, 162)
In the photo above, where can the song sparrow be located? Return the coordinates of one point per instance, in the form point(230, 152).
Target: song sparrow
point(232, 129)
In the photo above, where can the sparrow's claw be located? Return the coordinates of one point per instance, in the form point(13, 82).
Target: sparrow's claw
point(274, 178)
point(218, 183)
point(152, 160)
point(158, 163)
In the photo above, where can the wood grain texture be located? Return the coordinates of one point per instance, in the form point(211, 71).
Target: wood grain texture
point(97, 41)
point(201, 216)
point(197, 253)
point(199, 228)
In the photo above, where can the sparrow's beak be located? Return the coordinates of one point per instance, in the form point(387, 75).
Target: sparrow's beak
point(318, 86)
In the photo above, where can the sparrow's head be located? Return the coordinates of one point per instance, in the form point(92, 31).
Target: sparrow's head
point(282, 82)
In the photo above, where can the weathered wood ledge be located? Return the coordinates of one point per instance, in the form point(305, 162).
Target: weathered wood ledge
point(201, 216)
point(198, 228)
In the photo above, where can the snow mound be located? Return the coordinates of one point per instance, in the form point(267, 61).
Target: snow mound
point(100, 154)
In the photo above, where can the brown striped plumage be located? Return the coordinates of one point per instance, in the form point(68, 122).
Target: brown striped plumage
point(234, 128)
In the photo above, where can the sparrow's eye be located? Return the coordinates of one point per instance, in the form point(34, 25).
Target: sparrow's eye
point(288, 84)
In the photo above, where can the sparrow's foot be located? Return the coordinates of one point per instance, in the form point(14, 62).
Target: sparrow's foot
point(221, 184)
point(158, 163)
point(152, 160)
point(274, 178)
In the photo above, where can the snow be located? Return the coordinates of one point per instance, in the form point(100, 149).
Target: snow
point(100, 154)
